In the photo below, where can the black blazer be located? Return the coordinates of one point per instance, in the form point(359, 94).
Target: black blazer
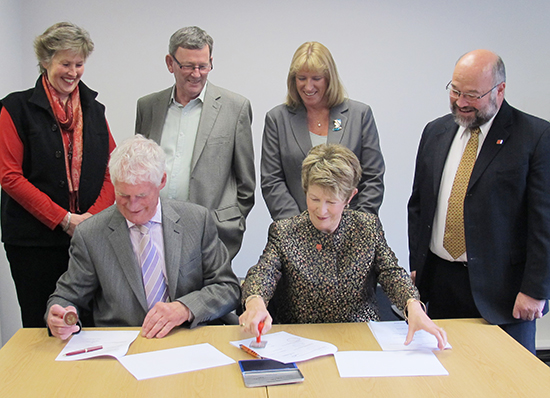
point(506, 209)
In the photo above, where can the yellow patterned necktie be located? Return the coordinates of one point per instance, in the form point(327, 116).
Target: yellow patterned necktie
point(453, 240)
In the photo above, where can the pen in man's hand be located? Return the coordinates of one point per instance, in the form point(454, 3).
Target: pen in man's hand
point(84, 350)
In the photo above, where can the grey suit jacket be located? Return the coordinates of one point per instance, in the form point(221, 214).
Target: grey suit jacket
point(104, 273)
point(222, 169)
point(285, 145)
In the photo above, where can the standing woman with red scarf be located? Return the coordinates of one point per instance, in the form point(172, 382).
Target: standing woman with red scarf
point(54, 149)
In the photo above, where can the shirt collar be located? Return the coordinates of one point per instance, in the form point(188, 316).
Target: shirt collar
point(484, 127)
point(199, 97)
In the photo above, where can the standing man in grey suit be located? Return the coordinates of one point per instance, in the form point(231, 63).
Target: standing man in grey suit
point(145, 261)
point(480, 241)
point(205, 131)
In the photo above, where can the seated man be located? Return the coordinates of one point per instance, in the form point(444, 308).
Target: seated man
point(144, 261)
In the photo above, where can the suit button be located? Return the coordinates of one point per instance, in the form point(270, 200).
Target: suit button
point(61, 184)
point(58, 154)
point(54, 127)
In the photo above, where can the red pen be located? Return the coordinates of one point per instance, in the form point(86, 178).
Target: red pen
point(84, 350)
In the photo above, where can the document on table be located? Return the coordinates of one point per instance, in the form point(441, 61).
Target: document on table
point(388, 363)
point(114, 343)
point(175, 360)
point(285, 347)
point(391, 337)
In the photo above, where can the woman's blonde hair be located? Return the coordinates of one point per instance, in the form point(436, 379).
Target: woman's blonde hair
point(315, 57)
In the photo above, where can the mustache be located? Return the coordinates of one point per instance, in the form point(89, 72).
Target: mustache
point(465, 108)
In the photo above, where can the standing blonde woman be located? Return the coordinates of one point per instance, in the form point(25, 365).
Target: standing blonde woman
point(317, 112)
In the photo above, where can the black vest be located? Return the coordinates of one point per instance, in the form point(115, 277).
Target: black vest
point(44, 162)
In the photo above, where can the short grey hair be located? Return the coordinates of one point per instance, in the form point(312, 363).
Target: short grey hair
point(499, 71)
point(333, 167)
point(191, 38)
point(137, 160)
point(59, 37)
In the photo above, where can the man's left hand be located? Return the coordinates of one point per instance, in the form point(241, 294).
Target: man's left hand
point(527, 308)
point(162, 318)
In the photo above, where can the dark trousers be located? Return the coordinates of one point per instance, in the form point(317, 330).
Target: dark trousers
point(35, 271)
point(524, 333)
point(446, 290)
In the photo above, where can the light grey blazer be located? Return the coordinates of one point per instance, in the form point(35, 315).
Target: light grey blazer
point(285, 145)
point(104, 273)
point(222, 169)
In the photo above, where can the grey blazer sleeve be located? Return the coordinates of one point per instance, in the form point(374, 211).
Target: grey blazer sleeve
point(218, 291)
point(243, 162)
point(279, 200)
point(77, 285)
point(371, 187)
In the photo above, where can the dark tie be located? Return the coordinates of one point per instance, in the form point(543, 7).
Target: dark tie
point(453, 240)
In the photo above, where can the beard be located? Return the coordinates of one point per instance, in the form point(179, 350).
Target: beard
point(481, 116)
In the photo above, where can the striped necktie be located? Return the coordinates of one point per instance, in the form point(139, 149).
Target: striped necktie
point(454, 240)
point(151, 269)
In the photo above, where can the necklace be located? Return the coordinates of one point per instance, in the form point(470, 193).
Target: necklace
point(318, 124)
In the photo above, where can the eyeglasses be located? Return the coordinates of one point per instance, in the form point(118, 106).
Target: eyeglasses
point(191, 67)
point(454, 93)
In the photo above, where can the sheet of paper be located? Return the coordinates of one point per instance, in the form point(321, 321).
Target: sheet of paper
point(285, 347)
point(175, 360)
point(391, 337)
point(388, 363)
point(115, 344)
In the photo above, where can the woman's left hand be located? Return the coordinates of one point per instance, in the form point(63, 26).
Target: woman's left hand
point(418, 320)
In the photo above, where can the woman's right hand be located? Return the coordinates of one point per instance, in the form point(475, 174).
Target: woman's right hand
point(74, 221)
point(255, 313)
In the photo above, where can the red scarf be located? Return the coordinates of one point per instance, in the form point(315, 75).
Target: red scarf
point(69, 118)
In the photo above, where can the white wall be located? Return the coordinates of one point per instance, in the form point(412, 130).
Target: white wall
point(10, 80)
point(396, 56)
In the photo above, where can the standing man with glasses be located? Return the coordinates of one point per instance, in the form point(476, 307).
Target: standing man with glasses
point(206, 133)
point(479, 212)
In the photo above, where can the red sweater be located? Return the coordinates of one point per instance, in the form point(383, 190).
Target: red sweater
point(26, 194)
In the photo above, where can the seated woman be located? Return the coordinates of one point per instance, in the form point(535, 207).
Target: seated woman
point(323, 265)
